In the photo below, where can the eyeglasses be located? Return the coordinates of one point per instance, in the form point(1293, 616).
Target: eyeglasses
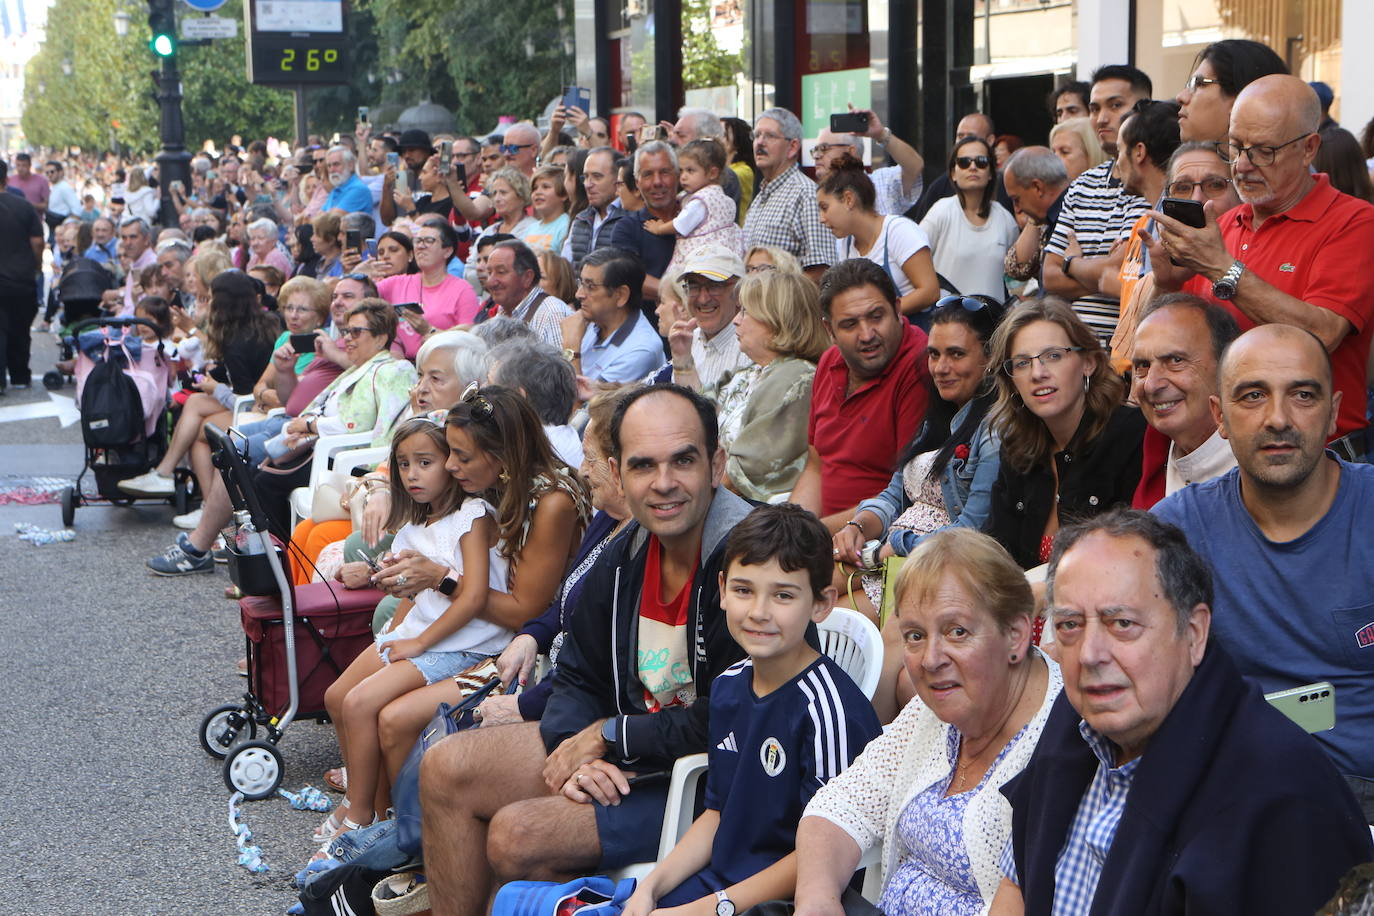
point(820, 149)
point(1213, 187)
point(968, 162)
point(478, 406)
point(1259, 156)
point(424, 241)
point(1197, 82)
point(766, 137)
point(1053, 356)
point(510, 149)
point(759, 268)
point(710, 287)
point(354, 333)
point(591, 286)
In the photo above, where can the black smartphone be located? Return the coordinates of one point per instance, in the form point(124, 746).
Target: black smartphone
point(445, 156)
point(353, 240)
point(403, 307)
point(849, 122)
point(460, 173)
point(631, 144)
point(185, 379)
point(303, 343)
point(649, 778)
point(578, 97)
point(1186, 210)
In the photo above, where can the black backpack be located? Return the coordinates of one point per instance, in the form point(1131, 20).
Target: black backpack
point(111, 410)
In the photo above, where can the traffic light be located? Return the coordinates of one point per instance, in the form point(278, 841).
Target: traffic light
point(162, 24)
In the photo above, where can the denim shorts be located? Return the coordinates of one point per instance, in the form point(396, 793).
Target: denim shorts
point(257, 434)
point(438, 666)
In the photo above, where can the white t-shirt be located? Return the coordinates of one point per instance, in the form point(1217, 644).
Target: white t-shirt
point(439, 542)
point(970, 256)
point(899, 240)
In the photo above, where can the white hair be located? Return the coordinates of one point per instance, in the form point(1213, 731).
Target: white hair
point(263, 226)
point(654, 147)
point(348, 158)
point(787, 122)
point(469, 354)
point(709, 126)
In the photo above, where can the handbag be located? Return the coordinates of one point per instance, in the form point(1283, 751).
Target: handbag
point(595, 896)
point(405, 790)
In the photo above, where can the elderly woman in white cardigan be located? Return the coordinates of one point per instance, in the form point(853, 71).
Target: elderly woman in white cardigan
point(928, 787)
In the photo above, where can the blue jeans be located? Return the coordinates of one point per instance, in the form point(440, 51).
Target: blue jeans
point(373, 847)
point(257, 434)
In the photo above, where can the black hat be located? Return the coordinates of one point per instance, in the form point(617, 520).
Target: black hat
point(415, 139)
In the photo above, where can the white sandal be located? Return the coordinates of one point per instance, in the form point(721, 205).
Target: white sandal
point(330, 828)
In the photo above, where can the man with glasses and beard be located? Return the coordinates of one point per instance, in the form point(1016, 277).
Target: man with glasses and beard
point(1292, 252)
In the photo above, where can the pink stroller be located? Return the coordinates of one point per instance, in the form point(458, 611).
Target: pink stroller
point(121, 390)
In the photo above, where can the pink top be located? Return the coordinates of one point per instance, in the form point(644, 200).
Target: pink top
point(274, 258)
point(452, 302)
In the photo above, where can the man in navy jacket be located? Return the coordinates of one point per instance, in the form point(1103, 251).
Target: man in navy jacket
point(631, 688)
point(1163, 782)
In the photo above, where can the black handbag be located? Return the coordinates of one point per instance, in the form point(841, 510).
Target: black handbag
point(405, 790)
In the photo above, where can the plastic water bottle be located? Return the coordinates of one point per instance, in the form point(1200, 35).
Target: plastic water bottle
point(246, 541)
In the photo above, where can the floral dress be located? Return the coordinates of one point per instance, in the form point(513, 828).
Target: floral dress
point(933, 876)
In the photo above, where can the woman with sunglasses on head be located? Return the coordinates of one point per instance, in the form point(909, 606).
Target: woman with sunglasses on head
point(508, 192)
point(847, 201)
point(970, 232)
point(1070, 447)
point(498, 448)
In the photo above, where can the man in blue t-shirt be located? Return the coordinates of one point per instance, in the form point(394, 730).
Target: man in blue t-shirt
point(783, 722)
point(348, 193)
point(1294, 576)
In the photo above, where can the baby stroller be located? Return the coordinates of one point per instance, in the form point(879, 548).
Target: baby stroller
point(299, 638)
point(121, 390)
point(77, 293)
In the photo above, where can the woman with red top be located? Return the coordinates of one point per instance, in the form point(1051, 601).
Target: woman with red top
point(443, 300)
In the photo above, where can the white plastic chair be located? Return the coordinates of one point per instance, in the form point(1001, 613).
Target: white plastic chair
point(326, 448)
point(852, 641)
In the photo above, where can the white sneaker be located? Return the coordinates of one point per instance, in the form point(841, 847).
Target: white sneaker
point(149, 484)
point(188, 522)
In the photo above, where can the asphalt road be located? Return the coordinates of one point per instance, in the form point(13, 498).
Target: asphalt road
point(108, 805)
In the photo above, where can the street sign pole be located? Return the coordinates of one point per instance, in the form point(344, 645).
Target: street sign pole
point(298, 105)
point(173, 162)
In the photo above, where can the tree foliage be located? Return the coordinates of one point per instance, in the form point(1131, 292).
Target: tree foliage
point(477, 49)
point(704, 64)
point(217, 99)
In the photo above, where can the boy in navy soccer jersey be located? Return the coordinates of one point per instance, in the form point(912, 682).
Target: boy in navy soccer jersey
point(783, 721)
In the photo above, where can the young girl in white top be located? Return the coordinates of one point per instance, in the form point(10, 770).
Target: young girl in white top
point(708, 214)
point(436, 634)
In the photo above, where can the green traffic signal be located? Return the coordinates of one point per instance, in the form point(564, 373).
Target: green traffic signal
point(163, 45)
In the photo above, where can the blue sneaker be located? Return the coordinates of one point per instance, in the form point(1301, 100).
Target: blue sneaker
point(180, 560)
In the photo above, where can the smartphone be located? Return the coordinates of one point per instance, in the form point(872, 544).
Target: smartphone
point(403, 180)
point(1185, 210)
point(648, 133)
point(649, 778)
point(445, 156)
point(372, 564)
point(178, 185)
point(185, 379)
point(576, 96)
point(403, 307)
point(849, 122)
point(631, 144)
point(394, 160)
point(362, 113)
point(460, 174)
point(1312, 706)
point(303, 343)
point(353, 239)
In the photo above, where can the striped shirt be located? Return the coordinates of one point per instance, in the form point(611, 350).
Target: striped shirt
point(784, 214)
point(1099, 211)
point(1090, 835)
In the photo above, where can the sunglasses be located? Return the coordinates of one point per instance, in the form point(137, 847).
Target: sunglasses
point(968, 162)
point(968, 303)
point(478, 406)
point(363, 278)
point(354, 333)
point(510, 149)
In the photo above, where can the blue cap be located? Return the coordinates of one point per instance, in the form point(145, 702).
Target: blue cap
point(1324, 93)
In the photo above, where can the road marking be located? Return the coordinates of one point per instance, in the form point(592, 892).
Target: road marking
point(59, 406)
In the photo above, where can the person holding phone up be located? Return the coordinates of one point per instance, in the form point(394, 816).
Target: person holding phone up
point(435, 299)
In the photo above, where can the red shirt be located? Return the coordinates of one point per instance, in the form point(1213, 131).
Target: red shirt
point(858, 436)
point(664, 669)
point(1318, 252)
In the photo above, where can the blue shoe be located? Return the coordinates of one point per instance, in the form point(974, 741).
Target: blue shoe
point(179, 560)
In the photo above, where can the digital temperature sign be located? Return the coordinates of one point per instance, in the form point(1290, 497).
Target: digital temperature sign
point(296, 42)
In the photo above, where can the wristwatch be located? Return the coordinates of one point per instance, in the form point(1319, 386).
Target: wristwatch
point(1068, 261)
point(883, 137)
point(610, 732)
point(1225, 288)
point(724, 905)
point(570, 354)
point(447, 586)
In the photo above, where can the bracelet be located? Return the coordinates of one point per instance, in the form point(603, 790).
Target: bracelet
point(883, 138)
point(855, 523)
point(684, 366)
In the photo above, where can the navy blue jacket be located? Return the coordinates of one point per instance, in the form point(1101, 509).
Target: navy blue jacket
point(1233, 809)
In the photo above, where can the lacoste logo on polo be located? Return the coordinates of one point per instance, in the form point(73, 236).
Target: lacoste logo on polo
point(1287, 267)
point(728, 744)
point(1364, 636)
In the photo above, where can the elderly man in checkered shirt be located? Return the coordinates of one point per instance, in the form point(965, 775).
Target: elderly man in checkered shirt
point(784, 212)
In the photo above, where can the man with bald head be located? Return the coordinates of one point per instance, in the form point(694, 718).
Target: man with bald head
point(1294, 578)
point(1293, 252)
point(521, 147)
point(898, 186)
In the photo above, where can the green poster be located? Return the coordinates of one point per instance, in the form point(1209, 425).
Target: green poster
point(824, 94)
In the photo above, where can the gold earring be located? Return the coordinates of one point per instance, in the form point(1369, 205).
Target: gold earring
point(503, 477)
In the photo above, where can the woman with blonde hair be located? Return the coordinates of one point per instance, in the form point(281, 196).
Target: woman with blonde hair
point(1070, 446)
point(1075, 142)
point(770, 257)
point(764, 407)
point(556, 276)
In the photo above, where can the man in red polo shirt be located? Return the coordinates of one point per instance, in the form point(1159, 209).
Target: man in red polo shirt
point(869, 395)
point(1296, 250)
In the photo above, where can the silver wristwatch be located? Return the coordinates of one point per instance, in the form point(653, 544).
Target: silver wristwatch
point(724, 905)
point(1225, 288)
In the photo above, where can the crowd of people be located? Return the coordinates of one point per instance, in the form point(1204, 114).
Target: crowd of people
point(1061, 422)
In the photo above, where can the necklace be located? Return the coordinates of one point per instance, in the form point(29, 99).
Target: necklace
point(961, 770)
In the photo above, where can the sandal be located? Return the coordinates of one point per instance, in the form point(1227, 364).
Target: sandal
point(346, 826)
point(329, 829)
point(336, 779)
